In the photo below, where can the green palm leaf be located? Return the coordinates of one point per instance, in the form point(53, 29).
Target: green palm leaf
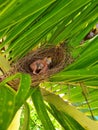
point(30, 24)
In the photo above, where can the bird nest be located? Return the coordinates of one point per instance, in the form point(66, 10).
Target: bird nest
point(60, 59)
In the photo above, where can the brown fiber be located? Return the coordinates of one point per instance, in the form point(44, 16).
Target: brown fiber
point(60, 59)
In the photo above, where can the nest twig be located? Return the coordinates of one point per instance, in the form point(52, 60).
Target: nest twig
point(60, 59)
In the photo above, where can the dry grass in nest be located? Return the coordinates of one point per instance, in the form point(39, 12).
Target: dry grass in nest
point(60, 59)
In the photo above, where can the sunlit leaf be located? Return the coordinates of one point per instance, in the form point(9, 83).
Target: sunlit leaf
point(11, 101)
point(41, 110)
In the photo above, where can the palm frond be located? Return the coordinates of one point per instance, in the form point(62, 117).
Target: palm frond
point(26, 25)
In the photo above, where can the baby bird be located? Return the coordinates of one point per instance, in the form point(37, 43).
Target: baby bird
point(40, 66)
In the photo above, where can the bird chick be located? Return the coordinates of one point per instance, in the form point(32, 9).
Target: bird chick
point(41, 66)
